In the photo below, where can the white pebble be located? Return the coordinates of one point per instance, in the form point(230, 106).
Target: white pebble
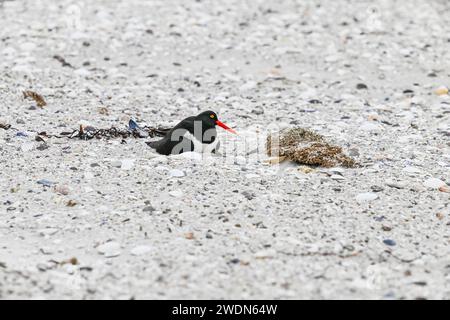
point(337, 177)
point(410, 169)
point(27, 146)
point(109, 249)
point(176, 193)
point(127, 164)
point(176, 173)
point(82, 72)
point(366, 197)
point(248, 86)
point(434, 183)
point(370, 126)
point(116, 163)
point(140, 250)
point(265, 254)
point(191, 155)
point(48, 231)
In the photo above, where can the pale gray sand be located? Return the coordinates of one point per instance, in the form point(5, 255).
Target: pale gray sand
point(231, 227)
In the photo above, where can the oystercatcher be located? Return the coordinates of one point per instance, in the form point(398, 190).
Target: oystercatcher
point(196, 134)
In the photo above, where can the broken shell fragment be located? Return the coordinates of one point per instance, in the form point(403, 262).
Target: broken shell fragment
point(442, 90)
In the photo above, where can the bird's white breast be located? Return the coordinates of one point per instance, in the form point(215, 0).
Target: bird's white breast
point(199, 146)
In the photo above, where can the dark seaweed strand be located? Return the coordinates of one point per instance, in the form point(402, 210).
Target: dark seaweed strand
point(91, 133)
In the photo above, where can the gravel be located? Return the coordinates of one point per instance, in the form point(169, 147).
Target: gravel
point(365, 76)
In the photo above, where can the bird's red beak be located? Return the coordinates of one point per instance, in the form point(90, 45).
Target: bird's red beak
point(223, 125)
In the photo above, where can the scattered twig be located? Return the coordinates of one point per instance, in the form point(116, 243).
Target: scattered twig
point(36, 97)
point(322, 254)
point(62, 61)
point(73, 261)
point(402, 259)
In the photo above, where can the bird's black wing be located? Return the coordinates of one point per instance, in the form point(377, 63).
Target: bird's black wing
point(174, 138)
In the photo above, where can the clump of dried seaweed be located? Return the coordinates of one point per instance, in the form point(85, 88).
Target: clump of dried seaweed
point(36, 97)
point(133, 130)
point(306, 147)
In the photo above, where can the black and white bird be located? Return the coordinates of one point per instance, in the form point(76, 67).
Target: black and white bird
point(197, 134)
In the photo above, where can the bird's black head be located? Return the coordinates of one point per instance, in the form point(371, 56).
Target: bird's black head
point(209, 118)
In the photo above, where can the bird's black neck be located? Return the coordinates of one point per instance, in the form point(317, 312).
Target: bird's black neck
point(202, 131)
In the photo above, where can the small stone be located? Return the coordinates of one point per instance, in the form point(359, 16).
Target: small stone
point(434, 183)
point(410, 169)
point(337, 177)
point(265, 254)
point(442, 90)
point(366, 197)
point(386, 228)
point(48, 231)
point(46, 250)
point(248, 86)
point(71, 203)
point(45, 183)
point(190, 155)
point(361, 86)
point(389, 242)
point(42, 147)
point(176, 193)
point(370, 126)
point(127, 164)
point(249, 195)
point(109, 249)
point(140, 250)
point(189, 235)
point(28, 146)
point(445, 189)
point(376, 188)
point(63, 190)
point(148, 209)
point(394, 184)
point(116, 164)
point(258, 110)
point(176, 173)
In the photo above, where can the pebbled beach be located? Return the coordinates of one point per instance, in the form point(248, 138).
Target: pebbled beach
point(111, 219)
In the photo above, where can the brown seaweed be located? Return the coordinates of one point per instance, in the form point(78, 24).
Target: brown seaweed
point(36, 97)
point(308, 148)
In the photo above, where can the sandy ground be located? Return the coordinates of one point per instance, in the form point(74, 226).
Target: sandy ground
point(118, 221)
